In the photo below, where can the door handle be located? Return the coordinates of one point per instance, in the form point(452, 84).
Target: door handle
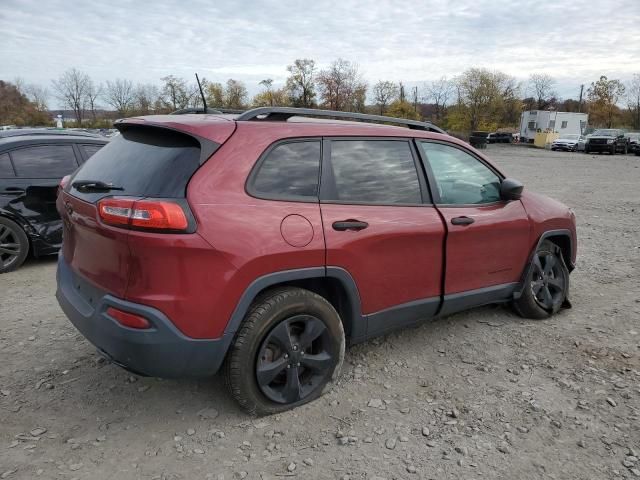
point(349, 225)
point(12, 191)
point(462, 220)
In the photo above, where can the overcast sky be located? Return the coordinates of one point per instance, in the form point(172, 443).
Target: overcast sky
point(410, 41)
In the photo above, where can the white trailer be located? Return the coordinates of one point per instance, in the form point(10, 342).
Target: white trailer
point(534, 121)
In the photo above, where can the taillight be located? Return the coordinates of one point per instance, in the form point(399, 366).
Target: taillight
point(127, 319)
point(143, 214)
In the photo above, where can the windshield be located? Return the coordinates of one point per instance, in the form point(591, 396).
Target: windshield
point(606, 132)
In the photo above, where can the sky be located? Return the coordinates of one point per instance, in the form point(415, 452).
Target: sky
point(409, 41)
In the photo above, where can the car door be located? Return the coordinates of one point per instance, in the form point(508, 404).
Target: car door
point(39, 169)
point(381, 227)
point(487, 241)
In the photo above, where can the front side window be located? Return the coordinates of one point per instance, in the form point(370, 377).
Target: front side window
point(373, 172)
point(6, 170)
point(289, 171)
point(461, 179)
point(44, 161)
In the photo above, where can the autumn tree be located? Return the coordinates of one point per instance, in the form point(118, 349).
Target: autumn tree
point(384, 92)
point(214, 91)
point(72, 89)
point(301, 82)
point(341, 86)
point(267, 83)
point(402, 109)
point(603, 96)
point(17, 109)
point(175, 92)
point(542, 86)
point(235, 94)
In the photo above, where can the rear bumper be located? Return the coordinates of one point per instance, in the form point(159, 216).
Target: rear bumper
point(161, 351)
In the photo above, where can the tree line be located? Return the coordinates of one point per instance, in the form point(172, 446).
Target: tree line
point(476, 99)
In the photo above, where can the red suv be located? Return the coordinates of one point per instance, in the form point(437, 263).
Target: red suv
point(265, 242)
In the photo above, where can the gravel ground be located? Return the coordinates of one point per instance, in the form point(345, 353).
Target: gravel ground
point(482, 394)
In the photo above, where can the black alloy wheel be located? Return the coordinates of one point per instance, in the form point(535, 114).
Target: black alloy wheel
point(295, 358)
point(548, 282)
point(14, 245)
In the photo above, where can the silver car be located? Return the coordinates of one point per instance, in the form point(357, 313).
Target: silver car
point(569, 143)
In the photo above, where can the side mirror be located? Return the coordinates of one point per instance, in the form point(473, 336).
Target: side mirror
point(511, 189)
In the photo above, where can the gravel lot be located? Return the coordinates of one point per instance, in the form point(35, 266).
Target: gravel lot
point(483, 394)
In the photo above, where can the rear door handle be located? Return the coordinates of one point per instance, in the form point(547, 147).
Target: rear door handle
point(462, 221)
point(12, 191)
point(349, 225)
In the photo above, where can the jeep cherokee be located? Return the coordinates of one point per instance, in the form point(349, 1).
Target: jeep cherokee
point(263, 243)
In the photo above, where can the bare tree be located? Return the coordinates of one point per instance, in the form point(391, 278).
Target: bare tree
point(301, 82)
point(633, 99)
point(341, 86)
point(146, 96)
point(38, 95)
point(235, 94)
point(438, 92)
point(93, 93)
point(542, 85)
point(72, 89)
point(120, 94)
point(175, 92)
point(384, 92)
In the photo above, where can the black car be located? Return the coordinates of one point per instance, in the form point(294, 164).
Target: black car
point(610, 140)
point(634, 142)
point(31, 167)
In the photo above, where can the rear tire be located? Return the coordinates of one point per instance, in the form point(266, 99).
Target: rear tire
point(288, 351)
point(14, 245)
point(547, 285)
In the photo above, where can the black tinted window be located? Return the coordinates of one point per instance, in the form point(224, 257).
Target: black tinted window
point(89, 150)
point(144, 161)
point(289, 170)
point(6, 170)
point(374, 171)
point(44, 161)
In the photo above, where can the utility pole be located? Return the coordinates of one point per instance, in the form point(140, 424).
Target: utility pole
point(401, 92)
point(415, 99)
point(580, 101)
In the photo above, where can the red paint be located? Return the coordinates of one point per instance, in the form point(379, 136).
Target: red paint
point(197, 279)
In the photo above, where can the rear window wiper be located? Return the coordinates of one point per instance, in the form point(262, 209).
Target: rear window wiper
point(94, 186)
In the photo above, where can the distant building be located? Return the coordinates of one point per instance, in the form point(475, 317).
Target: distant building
point(533, 121)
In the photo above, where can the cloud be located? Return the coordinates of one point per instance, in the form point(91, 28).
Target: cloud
point(251, 40)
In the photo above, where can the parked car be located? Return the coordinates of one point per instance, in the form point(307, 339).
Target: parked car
point(264, 243)
point(634, 142)
point(569, 143)
point(31, 167)
point(610, 140)
point(500, 137)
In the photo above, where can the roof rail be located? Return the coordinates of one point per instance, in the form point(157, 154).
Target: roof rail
point(284, 113)
point(210, 111)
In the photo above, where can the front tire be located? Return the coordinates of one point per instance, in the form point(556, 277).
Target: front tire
point(288, 352)
point(14, 245)
point(547, 285)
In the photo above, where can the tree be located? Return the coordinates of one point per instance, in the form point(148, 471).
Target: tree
point(146, 98)
point(174, 92)
point(214, 92)
point(267, 83)
point(93, 93)
point(633, 100)
point(120, 94)
point(38, 96)
point(542, 85)
point(235, 94)
point(301, 82)
point(341, 86)
point(72, 89)
point(402, 109)
point(384, 92)
point(17, 109)
point(603, 96)
point(438, 92)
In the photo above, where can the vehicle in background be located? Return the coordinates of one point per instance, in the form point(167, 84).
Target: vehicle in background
point(569, 143)
point(264, 243)
point(634, 142)
point(21, 132)
point(500, 137)
point(563, 123)
point(611, 140)
point(31, 167)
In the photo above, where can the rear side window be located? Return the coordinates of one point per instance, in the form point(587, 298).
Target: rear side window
point(148, 162)
point(44, 161)
point(289, 171)
point(6, 170)
point(373, 172)
point(89, 150)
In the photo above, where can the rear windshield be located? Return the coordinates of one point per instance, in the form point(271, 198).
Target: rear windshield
point(143, 161)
